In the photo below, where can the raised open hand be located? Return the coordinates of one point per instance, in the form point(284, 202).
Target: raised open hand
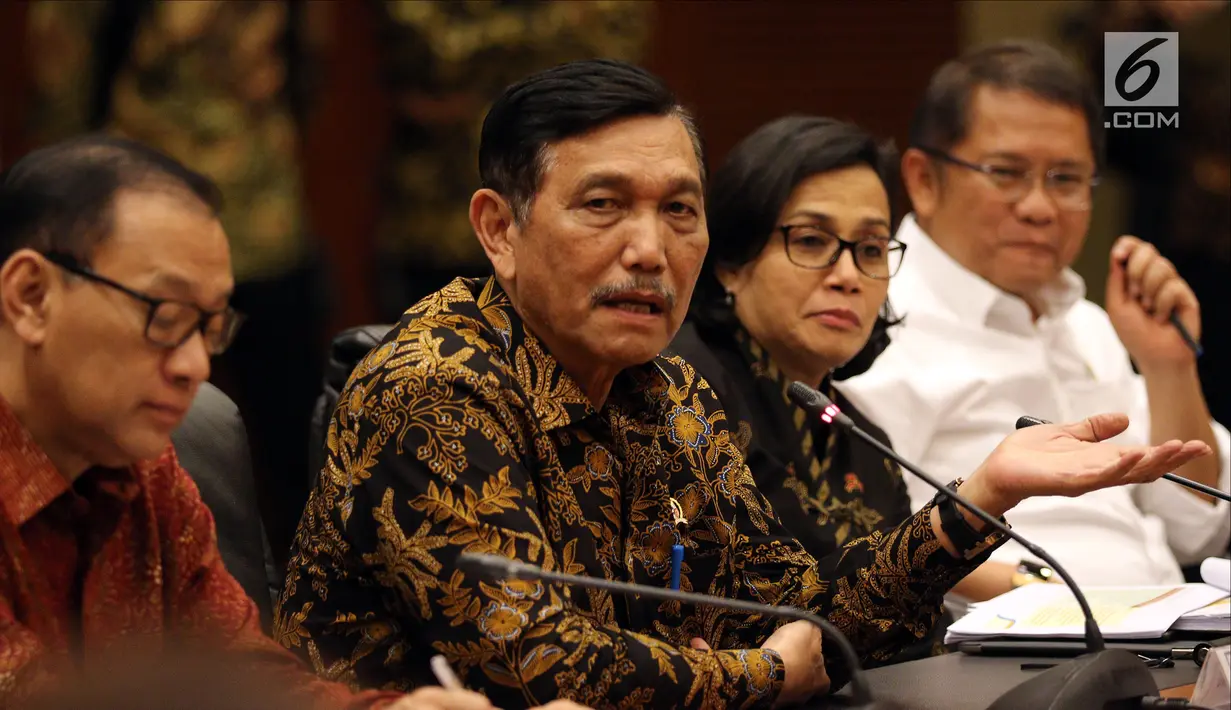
point(1069, 460)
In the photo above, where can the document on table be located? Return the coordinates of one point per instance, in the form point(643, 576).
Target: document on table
point(1216, 572)
point(1049, 610)
point(1212, 617)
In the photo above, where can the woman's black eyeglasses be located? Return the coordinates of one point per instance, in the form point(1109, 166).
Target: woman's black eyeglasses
point(811, 247)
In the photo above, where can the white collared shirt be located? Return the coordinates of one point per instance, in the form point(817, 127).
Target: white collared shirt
point(969, 360)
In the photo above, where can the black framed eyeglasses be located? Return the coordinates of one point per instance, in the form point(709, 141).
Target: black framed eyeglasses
point(169, 323)
point(1072, 189)
point(811, 247)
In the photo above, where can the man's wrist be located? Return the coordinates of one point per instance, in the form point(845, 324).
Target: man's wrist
point(975, 490)
point(953, 524)
point(787, 692)
point(1166, 373)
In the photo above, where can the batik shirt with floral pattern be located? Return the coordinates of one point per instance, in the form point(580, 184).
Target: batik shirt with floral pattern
point(461, 433)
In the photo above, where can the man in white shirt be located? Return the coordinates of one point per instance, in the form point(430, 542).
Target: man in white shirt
point(1005, 152)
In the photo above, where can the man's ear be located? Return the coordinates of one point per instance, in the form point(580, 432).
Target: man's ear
point(491, 217)
point(922, 180)
point(26, 283)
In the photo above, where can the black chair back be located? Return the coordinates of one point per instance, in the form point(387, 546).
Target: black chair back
point(348, 348)
point(212, 446)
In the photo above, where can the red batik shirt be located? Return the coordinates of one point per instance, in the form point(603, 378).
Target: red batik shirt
point(122, 554)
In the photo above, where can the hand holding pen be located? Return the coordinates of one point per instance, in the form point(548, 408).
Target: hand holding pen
point(1153, 310)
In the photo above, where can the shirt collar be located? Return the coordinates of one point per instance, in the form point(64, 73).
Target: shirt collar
point(969, 296)
point(555, 397)
point(763, 365)
point(28, 479)
point(766, 371)
point(29, 482)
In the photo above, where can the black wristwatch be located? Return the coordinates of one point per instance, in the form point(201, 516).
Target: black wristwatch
point(969, 542)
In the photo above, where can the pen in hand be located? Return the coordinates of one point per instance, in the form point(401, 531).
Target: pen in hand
point(1175, 321)
point(1188, 337)
point(444, 674)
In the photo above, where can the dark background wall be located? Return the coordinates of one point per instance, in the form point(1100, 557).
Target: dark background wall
point(737, 64)
point(740, 64)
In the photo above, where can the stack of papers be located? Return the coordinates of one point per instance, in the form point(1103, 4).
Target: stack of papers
point(1216, 572)
point(1050, 611)
point(1214, 617)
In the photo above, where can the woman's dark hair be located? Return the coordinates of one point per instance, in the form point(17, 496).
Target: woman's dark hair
point(747, 194)
point(559, 103)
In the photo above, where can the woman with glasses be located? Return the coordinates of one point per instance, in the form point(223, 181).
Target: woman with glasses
point(794, 287)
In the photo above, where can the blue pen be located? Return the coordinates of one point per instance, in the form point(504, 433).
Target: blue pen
point(677, 561)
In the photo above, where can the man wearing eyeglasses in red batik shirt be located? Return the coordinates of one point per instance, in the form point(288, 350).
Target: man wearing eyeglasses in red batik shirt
point(114, 290)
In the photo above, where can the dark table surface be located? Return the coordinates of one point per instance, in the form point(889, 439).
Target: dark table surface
point(961, 682)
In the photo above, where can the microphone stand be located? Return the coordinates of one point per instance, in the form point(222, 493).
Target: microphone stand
point(498, 567)
point(1101, 678)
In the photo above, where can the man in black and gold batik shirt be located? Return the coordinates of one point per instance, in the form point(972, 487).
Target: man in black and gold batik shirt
point(462, 433)
point(529, 415)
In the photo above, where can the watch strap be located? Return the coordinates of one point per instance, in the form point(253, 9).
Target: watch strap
point(969, 542)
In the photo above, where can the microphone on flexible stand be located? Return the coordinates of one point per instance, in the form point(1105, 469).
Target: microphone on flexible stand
point(497, 567)
point(1023, 422)
point(1101, 678)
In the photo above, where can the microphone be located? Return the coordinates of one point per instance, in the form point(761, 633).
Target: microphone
point(1101, 678)
point(813, 401)
point(501, 568)
point(1023, 422)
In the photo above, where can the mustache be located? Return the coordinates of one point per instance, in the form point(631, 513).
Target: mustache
point(645, 284)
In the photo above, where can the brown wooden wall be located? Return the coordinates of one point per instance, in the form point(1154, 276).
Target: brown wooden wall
point(737, 64)
point(13, 77)
point(740, 64)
